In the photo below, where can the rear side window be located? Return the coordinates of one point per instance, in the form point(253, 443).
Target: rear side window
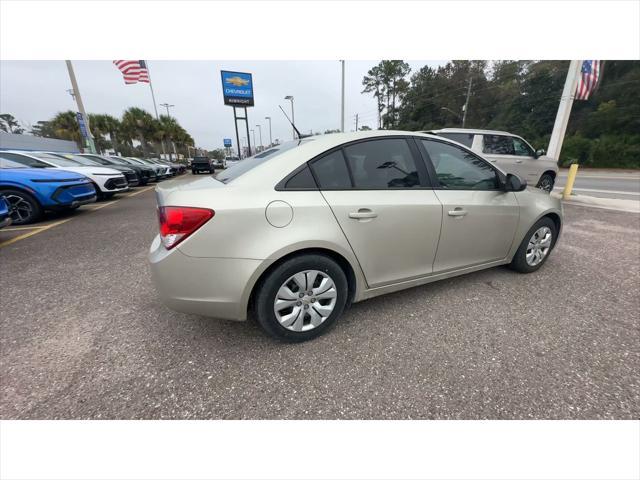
point(498, 145)
point(303, 180)
point(382, 164)
point(465, 139)
point(24, 160)
point(331, 171)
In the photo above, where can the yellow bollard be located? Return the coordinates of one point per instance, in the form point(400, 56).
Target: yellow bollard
point(573, 171)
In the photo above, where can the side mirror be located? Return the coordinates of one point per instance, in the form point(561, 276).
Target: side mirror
point(540, 152)
point(514, 183)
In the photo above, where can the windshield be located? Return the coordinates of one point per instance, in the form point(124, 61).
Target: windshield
point(77, 158)
point(96, 158)
point(118, 160)
point(137, 161)
point(55, 160)
point(243, 166)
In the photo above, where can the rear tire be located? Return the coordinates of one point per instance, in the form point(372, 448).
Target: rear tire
point(525, 260)
point(302, 315)
point(546, 182)
point(23, 207)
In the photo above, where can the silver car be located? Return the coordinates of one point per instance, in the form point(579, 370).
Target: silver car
point(511, 153)
point(300, 231)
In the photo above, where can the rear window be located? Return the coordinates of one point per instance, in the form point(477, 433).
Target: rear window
point(465, 139)
point(243, 166)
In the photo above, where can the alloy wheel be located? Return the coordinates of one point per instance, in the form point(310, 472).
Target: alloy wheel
point(20, 209)
point(305, 300)
point(538, 246)
point(546, 184)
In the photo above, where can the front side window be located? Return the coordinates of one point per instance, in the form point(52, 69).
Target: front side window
point(382, 164)
point(457, 169)
point(521, 148)
point(498, 145)
point(24, 160)
point(331, 172)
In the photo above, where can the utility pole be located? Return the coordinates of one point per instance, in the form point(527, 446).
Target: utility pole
point(466, 103)
point(564, 109)
point(270, 137)
point(342, 109)
point(78, 99)
point(356, 122)
point(253, 132)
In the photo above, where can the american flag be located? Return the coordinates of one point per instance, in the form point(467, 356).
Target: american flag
point(589, 77)
point(134, 71)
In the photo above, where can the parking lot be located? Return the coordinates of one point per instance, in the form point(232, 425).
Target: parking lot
point(84, 335)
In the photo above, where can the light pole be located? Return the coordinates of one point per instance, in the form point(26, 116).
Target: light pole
point(167, 106)
point(244, 142)
point(260, 131)
point(450, 111)
point(270, 138)
point(253, 132)
point(293, 117)
point(342, 104)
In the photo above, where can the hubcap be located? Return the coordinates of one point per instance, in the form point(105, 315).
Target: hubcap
point(305, 300)
point(20, 209)
point(539, 246)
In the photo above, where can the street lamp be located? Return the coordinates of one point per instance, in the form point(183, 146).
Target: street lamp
point(293, 117)
point(451, 111)
point(260, 130)
point(270, 138)
point(253, 132)
point(167, 106)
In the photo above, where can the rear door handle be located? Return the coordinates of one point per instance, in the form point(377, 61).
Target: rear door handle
point(518, 161)
point(457, 212)
point(363, 213)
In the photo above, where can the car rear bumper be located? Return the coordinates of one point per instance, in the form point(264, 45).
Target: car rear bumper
point(213, 287)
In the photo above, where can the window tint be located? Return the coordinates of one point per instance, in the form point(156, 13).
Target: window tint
point(55, 160)
point(498, 145)
point(81, 160)
point(301, 180)
point(521, 148)
point(96, 158)
point(382, 164)
point(465, 139)
point(457, 169)
point(24, 160)
point(6, 163)
point(331, 171)
point(240, 168)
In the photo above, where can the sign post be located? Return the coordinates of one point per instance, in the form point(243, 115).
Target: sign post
point(237, 90)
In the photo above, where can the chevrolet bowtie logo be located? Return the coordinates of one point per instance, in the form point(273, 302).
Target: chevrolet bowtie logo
point(237, 81)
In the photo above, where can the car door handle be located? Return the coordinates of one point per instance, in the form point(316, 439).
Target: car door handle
point(363, 213)
point(518, 161)
point(457, 212)
point(492, 160)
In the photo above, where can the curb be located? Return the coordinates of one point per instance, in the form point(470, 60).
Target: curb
point(632, 206)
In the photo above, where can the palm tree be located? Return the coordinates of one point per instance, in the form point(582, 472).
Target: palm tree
point(138, 124)
point(65, 126)
point(9, 124)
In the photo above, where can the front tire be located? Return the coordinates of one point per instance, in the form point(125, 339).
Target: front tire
point(301, 298)
point(535, 247)
point(23, 208)
point(546, 182)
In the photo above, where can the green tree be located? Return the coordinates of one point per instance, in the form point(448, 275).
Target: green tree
point(9, 124)
point(138, 124)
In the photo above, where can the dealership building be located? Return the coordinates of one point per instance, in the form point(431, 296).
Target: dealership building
point(14, 141)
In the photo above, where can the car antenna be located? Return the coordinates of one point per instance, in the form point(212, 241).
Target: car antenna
point(300, 136)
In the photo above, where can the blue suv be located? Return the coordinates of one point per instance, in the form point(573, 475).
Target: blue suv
point(31, 191)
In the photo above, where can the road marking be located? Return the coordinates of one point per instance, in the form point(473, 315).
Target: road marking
point(41, 228)
point(593, 190)
point(35, 231)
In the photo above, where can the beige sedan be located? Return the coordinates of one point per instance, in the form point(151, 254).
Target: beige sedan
point(298, 232)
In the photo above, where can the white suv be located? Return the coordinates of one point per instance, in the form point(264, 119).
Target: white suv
point(510, 152)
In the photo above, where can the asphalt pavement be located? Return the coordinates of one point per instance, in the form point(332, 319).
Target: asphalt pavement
point(621, 184)
point(83, 336)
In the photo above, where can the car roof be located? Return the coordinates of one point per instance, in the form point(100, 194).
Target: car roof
point(471, 130)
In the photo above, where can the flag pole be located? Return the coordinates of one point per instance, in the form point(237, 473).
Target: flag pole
point(155, 108)
point(564, 109)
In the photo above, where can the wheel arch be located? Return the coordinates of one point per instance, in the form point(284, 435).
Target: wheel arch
point(29, 192)
point(341, 260)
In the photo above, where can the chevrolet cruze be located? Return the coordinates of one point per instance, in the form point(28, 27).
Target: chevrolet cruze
point(298, 232)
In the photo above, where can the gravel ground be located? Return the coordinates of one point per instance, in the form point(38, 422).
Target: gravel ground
point(84, 336)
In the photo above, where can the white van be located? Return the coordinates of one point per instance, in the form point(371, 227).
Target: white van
point(510, 152)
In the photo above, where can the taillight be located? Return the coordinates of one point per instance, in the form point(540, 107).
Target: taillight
point(177, 223)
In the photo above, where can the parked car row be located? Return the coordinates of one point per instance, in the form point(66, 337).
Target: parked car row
point(34, 182)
